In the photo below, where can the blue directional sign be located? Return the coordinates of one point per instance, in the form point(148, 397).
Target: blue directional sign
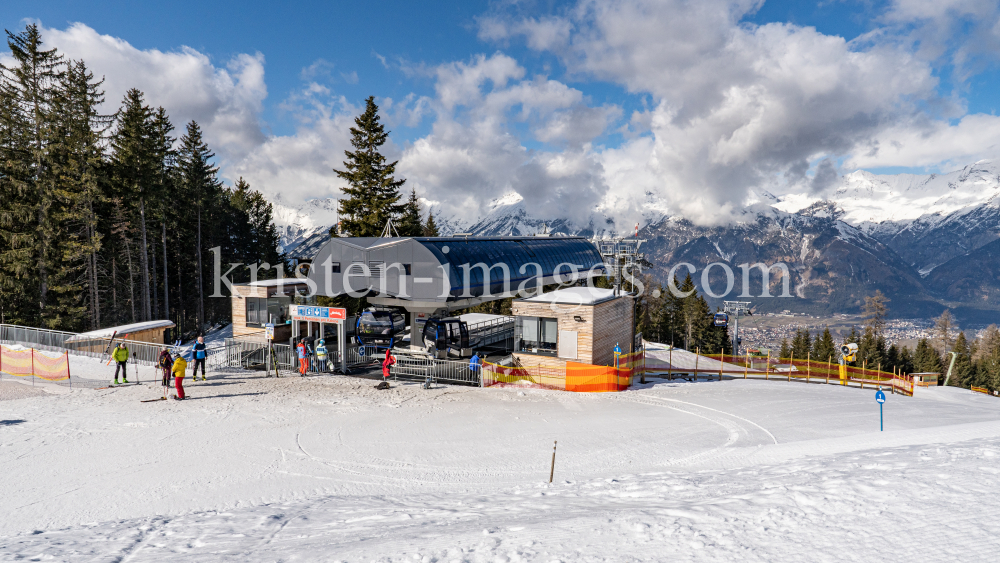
point(880, 397)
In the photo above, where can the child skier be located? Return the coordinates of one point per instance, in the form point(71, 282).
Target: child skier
point(180, 365)
point(165, 362)
point(321, 355)
point(120, 356)
point(198, 354)
point(303, 358)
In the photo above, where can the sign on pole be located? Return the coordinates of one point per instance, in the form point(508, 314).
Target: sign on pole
point(880, 398)
point(269, 331)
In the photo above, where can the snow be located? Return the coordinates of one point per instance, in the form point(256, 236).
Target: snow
point(575, 296)
point(123, 330)
point(328, 468)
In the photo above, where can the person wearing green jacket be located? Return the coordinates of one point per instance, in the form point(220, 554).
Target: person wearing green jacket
point(120, 355)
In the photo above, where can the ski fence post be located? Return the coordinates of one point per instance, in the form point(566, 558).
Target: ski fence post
point(791, 366)
point(767, 366)
point(697, 353)
point(552, 470)
point(670, 364)
point(808, 365)
point(67, 370)
point(723, 358)
point(32, 367)
point(829, 366)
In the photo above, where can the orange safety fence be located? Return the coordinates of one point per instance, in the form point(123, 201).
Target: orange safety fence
point(32, 362)
point(983, 390)
point(576, 377)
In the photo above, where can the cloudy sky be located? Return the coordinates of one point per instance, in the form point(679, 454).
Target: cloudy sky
point(582, 107)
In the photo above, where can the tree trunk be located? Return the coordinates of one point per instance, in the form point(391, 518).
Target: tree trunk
point(131, 279)
point(201, 293)
point(166, 278)
point(180, 299)
point(147, 313)
point(114, 288)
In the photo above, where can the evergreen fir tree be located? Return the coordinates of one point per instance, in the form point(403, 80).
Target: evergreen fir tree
point(431, 228)
point(410, 224)
point(78, 165)
point(201, 189)
point(963, 370)
point(802, 344)
point(786, 350)
point(926, 359)
point(905, 364)
point(135, 174)
point(34, 82)
point(891, 359)
point(372, 189)
point(824, 348)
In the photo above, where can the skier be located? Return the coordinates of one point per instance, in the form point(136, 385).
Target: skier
point(321, 355)
point(389, 361)
point(303, 358)
point(180, 365)
point(120, 356)
point(165, 362)
point(198, 354)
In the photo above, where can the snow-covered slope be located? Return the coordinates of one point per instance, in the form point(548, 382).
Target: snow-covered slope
point(330, 469)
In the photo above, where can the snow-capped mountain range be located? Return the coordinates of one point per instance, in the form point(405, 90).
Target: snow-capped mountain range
point(928, 241)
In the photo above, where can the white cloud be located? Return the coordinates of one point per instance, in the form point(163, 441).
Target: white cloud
point(226, 102)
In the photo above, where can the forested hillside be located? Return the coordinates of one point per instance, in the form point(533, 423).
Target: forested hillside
point(109, 219)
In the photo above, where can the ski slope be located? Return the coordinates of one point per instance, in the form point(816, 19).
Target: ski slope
point(328, 468)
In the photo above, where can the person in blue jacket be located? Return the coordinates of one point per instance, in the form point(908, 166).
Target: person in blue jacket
point(198, 353)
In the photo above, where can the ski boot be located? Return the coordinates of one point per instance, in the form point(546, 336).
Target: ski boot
point(124, 381)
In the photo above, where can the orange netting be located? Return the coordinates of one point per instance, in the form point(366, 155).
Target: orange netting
point(32, 362)
point(577, 377)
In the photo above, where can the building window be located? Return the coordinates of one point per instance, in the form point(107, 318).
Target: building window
point(335, 267)
point(406, 269)
point(261, 311)
point(536, 335)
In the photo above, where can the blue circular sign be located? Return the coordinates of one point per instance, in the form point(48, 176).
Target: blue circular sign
point(880, 396)
point(361, 351)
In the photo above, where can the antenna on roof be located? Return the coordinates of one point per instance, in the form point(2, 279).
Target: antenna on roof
point(389, 230)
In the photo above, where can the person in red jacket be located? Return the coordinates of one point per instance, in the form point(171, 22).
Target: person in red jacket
point(389, 360)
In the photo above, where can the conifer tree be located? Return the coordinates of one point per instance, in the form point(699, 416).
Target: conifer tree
point(410, 224)
point(372, 190)
point(802, 344)
point(201, 188)
point(786, 350)
point(34, 81)
point(135, 172)
point(824, 348)
point(905, 364)
point(962, 371)
point(78, 165)
point(431, 228)
point(925, 358)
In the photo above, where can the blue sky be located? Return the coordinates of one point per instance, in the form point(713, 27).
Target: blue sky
point(603, 98)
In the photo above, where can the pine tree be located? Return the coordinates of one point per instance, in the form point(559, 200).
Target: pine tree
point(925, 358)
point(431, 228)
point(802, 344)
point(943, 329)
point(78, 164)
point(824, 348)
point(34, 82)
point(201, 189)
point(372, 189)
point(962, 371)
point(905, 360)
point(410, 224)
point(18, 277)
point(786, 349)
point(136, 173)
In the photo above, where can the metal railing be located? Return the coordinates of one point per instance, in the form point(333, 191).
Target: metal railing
point(493, 331)
point(58, 341)
point(422, 367)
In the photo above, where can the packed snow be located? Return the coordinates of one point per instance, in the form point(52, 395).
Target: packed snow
point(329, 468)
